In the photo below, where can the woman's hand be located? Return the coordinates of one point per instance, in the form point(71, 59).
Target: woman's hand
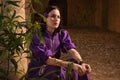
point(86, 67)
point(82, 69)
point(79, 68)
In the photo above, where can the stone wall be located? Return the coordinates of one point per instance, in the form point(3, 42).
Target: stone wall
point(81, 12)
point(94, 13)
point(98, 15)
point(114, 15)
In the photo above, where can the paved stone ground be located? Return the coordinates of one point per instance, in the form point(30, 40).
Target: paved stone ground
point(101, 49)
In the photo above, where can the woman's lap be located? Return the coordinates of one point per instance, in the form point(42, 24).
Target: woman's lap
point(59, 73)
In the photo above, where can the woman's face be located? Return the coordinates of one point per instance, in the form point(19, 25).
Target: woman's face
point(53, 19)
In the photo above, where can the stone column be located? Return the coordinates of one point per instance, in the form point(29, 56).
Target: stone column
point(22, 64)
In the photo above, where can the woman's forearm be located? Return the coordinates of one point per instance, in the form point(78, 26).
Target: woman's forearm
point(75, 55)
point(61, 63)
point(57, 62)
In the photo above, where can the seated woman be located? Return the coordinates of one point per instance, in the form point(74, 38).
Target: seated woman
point(47, 62)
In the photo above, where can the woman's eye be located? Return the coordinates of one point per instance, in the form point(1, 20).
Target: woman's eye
point(58, 16)
point(54, 16)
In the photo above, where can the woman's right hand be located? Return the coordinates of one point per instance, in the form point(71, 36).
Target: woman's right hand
point(80, 69)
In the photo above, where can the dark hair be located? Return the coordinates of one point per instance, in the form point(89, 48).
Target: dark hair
point(45, 13)
point(50, 8)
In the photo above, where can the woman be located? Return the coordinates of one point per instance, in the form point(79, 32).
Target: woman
point(47, 62)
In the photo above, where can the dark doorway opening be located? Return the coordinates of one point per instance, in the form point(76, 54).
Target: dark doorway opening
point(62, 4)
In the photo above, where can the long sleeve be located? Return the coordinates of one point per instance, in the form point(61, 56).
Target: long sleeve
point(66, 41)
point(39, 51)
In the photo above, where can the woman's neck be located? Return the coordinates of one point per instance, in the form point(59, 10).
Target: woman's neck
point(50, 30)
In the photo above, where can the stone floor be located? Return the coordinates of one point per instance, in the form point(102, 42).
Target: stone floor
point(101, 49)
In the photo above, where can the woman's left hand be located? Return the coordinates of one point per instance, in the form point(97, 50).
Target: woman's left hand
point(86, 67)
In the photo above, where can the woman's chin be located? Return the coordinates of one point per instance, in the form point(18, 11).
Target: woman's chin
point(56, 27)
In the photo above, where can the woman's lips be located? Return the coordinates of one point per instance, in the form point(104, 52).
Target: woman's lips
point(55, 23)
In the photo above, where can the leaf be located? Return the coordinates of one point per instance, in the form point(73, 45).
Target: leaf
point(14, 3)
point(42, 16)
point(3, 74)
point(1, 40)
point(13, 16)
point(22, 77)
point(38, 78)
point(1, 4)
point(69, 72)
point(36, 2)
point(18, 16)
point(1, 19)
point(26, 51)
point(1, 52)
point(3, 71)
point(29, 21)
point(41, 78)
point(13, 61)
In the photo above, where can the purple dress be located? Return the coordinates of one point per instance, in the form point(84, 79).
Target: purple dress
point(51, 46)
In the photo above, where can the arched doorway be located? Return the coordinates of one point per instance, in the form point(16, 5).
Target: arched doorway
point(62, 4)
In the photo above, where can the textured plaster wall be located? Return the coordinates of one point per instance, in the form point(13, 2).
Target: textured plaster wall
point(81, 12)
point(98, 13)
point(114, 15)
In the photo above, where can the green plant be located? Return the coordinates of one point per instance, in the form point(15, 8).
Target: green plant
point(12, 37)
point(11, 42)
point(69, 73)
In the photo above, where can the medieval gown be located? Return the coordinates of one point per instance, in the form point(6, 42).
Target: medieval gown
point(50, 46)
